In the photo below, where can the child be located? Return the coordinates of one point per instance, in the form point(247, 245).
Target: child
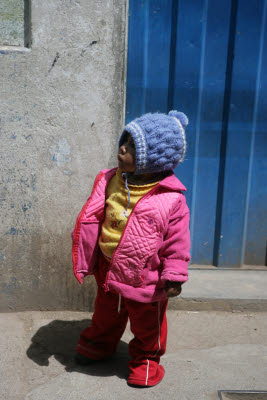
point(133, 235)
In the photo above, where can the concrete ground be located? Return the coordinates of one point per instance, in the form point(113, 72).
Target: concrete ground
point(209, 354)
point(223, 289)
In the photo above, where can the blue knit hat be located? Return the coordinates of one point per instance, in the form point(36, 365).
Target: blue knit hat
point(159, 139)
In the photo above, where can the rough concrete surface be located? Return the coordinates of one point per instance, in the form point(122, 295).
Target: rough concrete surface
point(207, 352)
point(222, 289)
point(61, 113)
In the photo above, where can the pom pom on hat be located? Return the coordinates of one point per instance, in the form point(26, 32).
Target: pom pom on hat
point(181, 116)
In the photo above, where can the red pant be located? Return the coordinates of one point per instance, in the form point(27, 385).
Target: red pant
point(148, 324)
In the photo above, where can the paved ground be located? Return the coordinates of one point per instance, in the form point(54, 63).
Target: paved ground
point(224, 289)
point(207, 352)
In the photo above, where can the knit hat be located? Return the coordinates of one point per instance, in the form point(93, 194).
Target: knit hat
point(159, 139)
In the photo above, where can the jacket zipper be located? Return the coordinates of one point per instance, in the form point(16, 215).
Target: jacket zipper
point(106, 288)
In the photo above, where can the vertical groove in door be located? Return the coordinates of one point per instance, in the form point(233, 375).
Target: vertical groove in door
point(171, 87)
point(225, 119)
point(145, 64)
point(198, 117)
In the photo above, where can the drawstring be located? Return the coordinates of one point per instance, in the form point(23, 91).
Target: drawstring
point(119, 305)
point(124, 175)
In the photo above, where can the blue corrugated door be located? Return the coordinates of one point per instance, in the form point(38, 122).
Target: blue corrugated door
point(209, 59)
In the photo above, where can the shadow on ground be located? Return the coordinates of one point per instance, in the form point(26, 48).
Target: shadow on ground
point(59, 339)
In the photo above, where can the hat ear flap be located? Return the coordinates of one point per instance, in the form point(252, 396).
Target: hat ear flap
point(181, 116)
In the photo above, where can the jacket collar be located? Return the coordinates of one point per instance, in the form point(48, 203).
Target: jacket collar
point(170, 182)
point(173, 183)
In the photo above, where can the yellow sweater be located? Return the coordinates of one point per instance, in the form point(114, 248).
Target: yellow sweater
point(116, 214)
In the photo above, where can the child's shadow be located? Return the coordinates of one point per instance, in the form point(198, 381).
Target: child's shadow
point(59, 339)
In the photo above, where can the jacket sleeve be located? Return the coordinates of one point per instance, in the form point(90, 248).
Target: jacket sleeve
point(175, 250)
point(84, 239)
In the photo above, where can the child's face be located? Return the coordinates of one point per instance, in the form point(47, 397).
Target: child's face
point(126, 155)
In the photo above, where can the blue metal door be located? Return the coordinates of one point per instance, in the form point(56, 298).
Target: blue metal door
point(209, 59)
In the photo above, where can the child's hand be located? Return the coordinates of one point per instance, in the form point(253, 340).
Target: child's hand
point(173, 288)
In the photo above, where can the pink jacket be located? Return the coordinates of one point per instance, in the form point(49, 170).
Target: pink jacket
point(153, 248)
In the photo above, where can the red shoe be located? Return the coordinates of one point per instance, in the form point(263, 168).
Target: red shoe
point(145, 374)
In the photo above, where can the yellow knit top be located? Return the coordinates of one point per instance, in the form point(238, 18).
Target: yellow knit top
point(116, 214)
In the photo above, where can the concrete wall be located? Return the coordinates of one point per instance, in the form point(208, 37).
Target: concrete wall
point(61, 112)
